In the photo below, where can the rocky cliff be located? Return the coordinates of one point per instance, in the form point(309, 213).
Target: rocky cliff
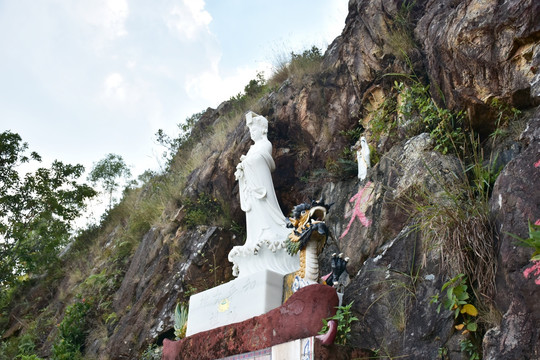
point(446, 93)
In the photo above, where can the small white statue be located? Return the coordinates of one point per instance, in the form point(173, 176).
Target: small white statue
point(266, 225)
point(362, 156)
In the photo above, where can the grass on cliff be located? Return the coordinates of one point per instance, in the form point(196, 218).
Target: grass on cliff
point(455, 222)
point(400, 39)
point(296, 66)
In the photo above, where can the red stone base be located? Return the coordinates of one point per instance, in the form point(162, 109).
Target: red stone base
point(299, 317)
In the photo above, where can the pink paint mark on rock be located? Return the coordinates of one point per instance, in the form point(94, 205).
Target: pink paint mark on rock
point(299, 317)
point(537, 164)
point(534, 269)
point(537, 222)
point(357, 212)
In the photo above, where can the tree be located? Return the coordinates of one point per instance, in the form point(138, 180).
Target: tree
point(109, 171)
point(36, 211)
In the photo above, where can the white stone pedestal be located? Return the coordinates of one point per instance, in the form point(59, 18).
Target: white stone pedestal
point(235, 301)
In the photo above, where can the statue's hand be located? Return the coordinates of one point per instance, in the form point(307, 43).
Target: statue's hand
point(242, 157)
point(239, 172)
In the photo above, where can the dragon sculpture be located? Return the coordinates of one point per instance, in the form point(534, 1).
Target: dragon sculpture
point(308, 236)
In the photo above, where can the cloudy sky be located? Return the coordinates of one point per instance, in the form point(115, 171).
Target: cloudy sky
point(80, 79)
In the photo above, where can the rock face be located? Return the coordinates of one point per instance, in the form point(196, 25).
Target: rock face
point(515, 202)
point(480, 50)
point(470, 52)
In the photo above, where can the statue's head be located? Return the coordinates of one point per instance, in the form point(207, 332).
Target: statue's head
point(257, 124)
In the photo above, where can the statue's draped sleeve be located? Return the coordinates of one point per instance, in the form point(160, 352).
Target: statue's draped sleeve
point(256, 181)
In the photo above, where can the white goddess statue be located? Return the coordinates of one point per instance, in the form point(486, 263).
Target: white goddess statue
point(265, 222)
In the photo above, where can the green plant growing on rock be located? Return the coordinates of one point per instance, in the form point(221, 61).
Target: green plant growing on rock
point(26, 347)
point(152, 352)
point(467, 346)
point(443, 125)
point(180, 321)
point(533, 241)
point(458, 300)
point(108, 171)
point(442, 353)
point(383, 118)
point(72, 331)
point(201, 211)
point(413, 108)
point(255, 88)
point(454, 219)
point(344, 318)
point(400, 39)
point(505, 115)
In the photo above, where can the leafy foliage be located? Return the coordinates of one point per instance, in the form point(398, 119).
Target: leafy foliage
point(382, 121)
point(458, 300)
point(201, 211)
point(443, 125)
point(27, 347)
point(72, 332)
point(467, 346)
point(36, 211)
point(505, 115)
point(344, 318)
point(253, 89)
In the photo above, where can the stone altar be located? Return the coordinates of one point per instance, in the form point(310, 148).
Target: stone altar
point(235, 301)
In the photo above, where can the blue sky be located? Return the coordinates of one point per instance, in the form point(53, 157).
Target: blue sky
point(81, 79)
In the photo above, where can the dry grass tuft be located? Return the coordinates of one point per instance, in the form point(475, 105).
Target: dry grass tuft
point(456, 224)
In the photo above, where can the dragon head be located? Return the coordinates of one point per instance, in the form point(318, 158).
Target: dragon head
point(309, 212)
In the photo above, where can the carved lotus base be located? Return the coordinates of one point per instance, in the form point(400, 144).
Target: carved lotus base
point(266, 255)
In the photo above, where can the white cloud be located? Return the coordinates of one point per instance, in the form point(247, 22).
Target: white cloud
point(189, 19)
point(212, 87)
point(103, 20)
point(115, 87)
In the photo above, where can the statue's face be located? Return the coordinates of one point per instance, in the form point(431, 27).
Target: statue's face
point(256, 132)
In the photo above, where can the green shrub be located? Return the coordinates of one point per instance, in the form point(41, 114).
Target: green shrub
point(203, 211)
point(72, 331)
point(27, 345)
point(444, 126)
point(383, 118)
